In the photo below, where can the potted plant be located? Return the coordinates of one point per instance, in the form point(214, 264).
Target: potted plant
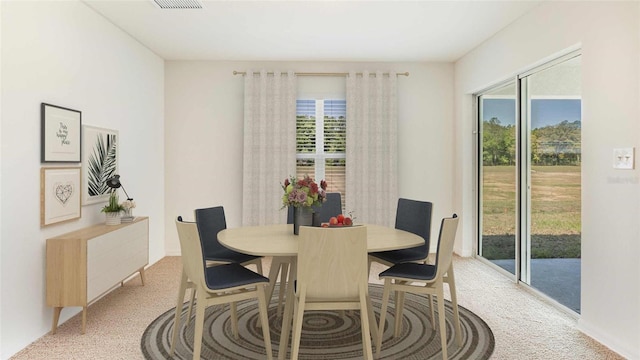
point(112, 210)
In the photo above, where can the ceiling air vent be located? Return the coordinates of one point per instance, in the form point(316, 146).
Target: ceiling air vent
point(178, 4)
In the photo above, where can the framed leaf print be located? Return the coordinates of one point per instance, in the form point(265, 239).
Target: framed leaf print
point(60, 134)
point(99, 161)
point(59, 194)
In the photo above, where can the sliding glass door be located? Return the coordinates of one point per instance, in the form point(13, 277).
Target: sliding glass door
point(529, 179)
point(497, 180)
point(552, 113)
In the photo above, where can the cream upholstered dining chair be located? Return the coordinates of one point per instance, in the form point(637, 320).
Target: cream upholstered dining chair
point(422, 278)
point(215, 285)
point(332, 275)
point(332, 206)
point(210, 222)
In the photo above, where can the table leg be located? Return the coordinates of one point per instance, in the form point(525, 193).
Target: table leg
point(284, 273)
point(276, 263)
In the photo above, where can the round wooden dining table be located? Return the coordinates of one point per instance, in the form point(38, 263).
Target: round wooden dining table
point(279, 242)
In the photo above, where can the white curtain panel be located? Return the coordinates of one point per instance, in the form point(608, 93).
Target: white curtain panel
point(372, 147)
point(269, 144)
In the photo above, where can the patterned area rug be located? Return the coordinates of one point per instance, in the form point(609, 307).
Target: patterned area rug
point(325, 334)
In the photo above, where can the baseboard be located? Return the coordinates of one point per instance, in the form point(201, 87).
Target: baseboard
point(622, 349)
point(172, 252)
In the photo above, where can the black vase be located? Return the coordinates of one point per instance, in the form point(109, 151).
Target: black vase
point(302, 216)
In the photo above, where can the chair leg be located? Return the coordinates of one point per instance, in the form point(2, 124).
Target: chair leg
point(298, 313)
point(288, 313)
point(234, 320)
point(373, 326)
point(364, 324)
point(383, 314)
point(201, 306)
point(191, 302)
point(399, 311)
point(454, 302)
point(176, 318)
point(264, 319)
point(433, 315)
point(441, 319)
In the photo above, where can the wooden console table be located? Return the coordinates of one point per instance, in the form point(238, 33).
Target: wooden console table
point(85, 264)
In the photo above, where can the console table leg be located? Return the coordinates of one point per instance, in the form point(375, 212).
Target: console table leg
point(84, 319)
point(56, 318)
point(142, 275)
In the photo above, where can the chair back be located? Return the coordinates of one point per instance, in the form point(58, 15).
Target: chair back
point(332, 262)
point(415, 217)
point(446, 240)
point(191, 251)
point(332, 206)
point(210, 222)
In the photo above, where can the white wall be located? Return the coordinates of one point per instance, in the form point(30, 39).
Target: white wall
point(608, 33)
point(65, 54)
point(204, 122)
point(1, 152)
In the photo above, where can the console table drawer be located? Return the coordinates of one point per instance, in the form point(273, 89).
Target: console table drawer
point(108, 264)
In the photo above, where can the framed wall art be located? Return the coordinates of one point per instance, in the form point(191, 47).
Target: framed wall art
point(60, 134)
point(59, 194)
point(99, 161)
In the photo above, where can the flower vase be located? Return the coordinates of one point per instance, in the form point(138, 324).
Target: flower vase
point(127, 215)
point(113, 218)
point(302, 216)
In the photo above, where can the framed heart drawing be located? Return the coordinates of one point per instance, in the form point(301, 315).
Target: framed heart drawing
point(59, 194)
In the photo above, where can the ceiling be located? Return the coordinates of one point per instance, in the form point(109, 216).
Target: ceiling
point(314, 30)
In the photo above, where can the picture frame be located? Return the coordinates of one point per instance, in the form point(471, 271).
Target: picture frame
point(61, 137)
point(99, 162)
point(59, 195)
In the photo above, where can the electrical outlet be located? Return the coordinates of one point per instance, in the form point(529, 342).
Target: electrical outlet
point(623, 158)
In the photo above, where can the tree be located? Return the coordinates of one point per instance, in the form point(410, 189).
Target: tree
point(498, 143)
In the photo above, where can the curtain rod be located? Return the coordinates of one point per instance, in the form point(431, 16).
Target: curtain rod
point(318, 73)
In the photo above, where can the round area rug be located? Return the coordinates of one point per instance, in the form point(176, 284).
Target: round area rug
point(325, 334)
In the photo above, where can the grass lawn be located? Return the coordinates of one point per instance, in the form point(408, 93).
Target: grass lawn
point(555, 212)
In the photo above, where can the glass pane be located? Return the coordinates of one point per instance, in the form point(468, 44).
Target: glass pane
point(497, 115)
point(305, 167)
point(335, 126)
point(335, 176)
point(555, 116)
point(305, 126)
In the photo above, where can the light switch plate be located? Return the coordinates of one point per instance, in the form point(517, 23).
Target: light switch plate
point(623, 158)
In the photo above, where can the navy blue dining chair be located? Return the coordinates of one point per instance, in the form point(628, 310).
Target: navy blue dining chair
point(210, 222)
point(332, 206)
point(415, 217)
point(422, 278)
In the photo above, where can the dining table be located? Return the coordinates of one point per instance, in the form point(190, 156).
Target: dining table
point(280, 241)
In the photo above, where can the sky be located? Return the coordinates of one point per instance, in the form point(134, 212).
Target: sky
point(544, 112)
point(332, 108)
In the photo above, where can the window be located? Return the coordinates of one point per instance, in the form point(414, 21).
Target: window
point(321, 135)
